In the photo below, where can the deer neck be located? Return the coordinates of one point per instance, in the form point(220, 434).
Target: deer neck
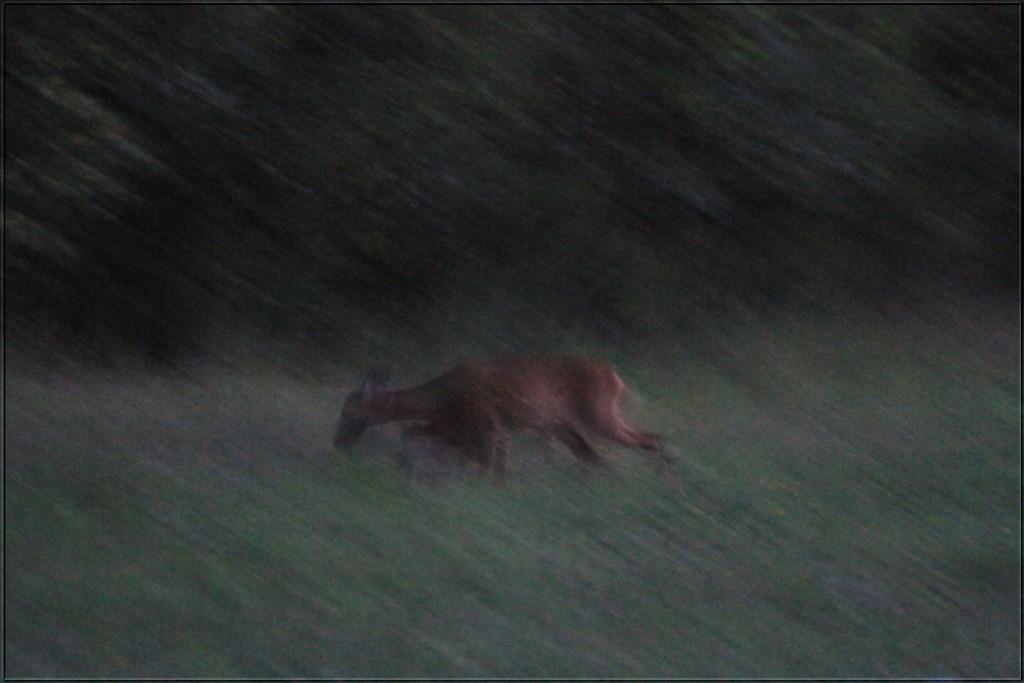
point(404, 405)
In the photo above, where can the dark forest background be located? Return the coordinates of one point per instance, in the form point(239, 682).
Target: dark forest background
point(182, 178)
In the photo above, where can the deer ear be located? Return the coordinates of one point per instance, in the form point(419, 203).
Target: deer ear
point(376, 380)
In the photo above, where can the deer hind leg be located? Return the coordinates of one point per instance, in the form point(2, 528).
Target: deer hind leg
point(577, 444)
point(646, 441)
point(499, 457)
point(609, 424)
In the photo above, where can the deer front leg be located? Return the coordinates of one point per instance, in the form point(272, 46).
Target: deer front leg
point(577, 444)
point(429, 446)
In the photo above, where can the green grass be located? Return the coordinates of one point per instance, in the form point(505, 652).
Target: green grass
point(846, 503)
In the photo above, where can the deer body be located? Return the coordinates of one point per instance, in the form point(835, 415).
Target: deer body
point(475, 404)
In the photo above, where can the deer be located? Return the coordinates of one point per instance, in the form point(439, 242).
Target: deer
point(473, 406)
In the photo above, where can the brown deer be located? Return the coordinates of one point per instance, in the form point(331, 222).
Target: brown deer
point(474, 405)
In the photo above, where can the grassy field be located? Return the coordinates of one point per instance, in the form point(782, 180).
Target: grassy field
point(846, 503)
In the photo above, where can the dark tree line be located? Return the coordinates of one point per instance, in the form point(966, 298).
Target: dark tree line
point(175, 174)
